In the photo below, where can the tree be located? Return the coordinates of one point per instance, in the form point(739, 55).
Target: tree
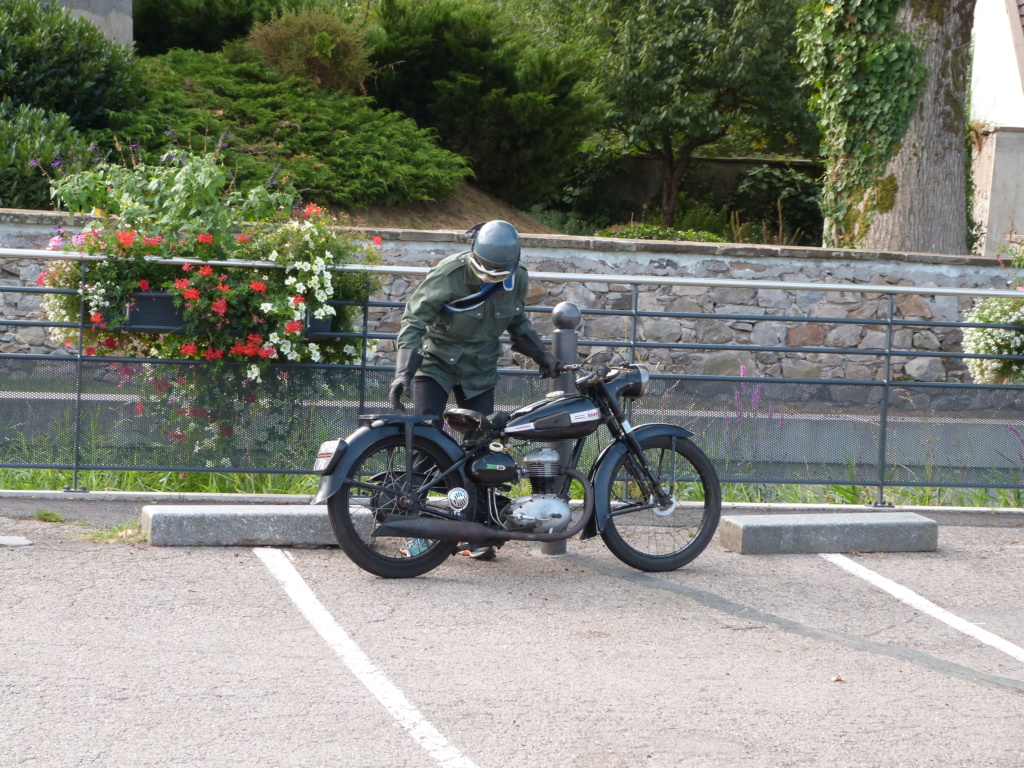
point(680, 73)
point(890, 80)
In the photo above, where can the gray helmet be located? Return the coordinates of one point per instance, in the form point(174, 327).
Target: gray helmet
point(495, 251)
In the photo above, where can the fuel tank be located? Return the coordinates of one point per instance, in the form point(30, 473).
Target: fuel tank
point(559, 418)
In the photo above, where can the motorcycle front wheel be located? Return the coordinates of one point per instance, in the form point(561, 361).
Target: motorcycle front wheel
point(650, 536)
point(378, 486)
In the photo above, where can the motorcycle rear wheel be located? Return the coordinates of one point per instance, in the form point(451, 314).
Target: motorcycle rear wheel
point(650, 538)
point(374, 489)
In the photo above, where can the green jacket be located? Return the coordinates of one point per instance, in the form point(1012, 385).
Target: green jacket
point(462, 347)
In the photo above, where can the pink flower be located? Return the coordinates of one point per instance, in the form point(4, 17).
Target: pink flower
point(186, 267)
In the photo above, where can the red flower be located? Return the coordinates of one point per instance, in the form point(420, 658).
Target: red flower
point(41, 280)
point(213, 354)
point(155, 240)
point(176, 434)
point(181, 283)
point(295, 326)
point(266, 351)
point(161, 385)
point(110, 341)
point(96, 317)
point(189, 348)
point(243, 238)
point(126, 238)
point(227, 431)
point(186, 267)
point(206, 269)
point(311, 210)
point(220, 306)
point(257, 286)
point(223, 287)
point(249, 397)
point(143, 284)
point(205, 237)
point(140, 407)
point(254, 338)
point(378, 240)
point(298, 299)
point(191, 293)
point(90, 351)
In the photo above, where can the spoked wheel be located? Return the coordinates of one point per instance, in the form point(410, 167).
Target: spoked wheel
point(378, 486)
point(649, 535)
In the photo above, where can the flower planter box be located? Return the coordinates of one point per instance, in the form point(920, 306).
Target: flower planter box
point(154, 312)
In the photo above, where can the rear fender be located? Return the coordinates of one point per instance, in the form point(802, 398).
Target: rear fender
point(356, 443)
point(601, 471)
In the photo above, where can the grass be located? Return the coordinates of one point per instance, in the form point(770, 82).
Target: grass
point(49, 516)
point(127, 532)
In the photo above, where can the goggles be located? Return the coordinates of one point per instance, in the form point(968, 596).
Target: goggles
point(486, 274)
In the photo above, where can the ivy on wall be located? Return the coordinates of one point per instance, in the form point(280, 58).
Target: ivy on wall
point(867, 75)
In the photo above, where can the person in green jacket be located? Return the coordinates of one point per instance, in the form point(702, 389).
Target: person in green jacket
point(449, 342)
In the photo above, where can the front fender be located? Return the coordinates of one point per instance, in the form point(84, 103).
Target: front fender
point(600, 472)
point(364, 437)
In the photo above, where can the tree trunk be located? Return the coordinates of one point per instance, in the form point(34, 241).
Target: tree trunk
point(920, 202)
point(671, 179)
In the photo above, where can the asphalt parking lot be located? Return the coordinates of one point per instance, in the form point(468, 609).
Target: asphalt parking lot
point(129, 655)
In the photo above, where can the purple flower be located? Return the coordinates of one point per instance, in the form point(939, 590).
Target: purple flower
point(33, 163)
point(755, 399)
point(743, 370)
point(1014, 430)
point(55, 163)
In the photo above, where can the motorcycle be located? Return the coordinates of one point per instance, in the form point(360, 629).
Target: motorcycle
point(403, 495)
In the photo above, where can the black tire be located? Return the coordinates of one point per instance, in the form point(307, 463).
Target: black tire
point(371, 492)
point(649, 539)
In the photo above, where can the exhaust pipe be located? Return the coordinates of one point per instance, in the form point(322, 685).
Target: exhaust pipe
point(441, 529)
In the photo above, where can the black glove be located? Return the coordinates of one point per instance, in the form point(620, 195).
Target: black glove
point(408, 362)
point(530, 344)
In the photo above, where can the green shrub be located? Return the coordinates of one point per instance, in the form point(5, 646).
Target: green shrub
point(203, 25)
point(517, 110)
point(767, 193)
point(35, 144)
point(654, 232)
point(54, 61)
point(315, 44)
point(331, 147)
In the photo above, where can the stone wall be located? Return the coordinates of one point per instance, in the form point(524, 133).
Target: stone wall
point(583, 256)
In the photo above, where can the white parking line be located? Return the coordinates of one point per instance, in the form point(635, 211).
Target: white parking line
point(394, 701)
point(926, 606)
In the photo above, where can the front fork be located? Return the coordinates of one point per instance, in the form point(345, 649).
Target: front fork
point(622, 430)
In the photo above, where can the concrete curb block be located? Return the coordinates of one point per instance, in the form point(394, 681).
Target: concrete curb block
point(231, 525)
point(814, 534)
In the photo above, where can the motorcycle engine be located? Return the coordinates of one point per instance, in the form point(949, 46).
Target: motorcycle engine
point(542, 510)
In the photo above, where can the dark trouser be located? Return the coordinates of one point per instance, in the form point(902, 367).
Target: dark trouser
point(429, 399)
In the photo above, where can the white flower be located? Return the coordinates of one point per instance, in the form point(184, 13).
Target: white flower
point(266, 306)
point(273, 255)
point(314, 352)
point(300, 288)
point(321, 295)
point(274, 338)
point(285, 346)
point(290, 280)
point(254, 373)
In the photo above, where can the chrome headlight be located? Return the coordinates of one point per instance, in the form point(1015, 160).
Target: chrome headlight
point(638, 378)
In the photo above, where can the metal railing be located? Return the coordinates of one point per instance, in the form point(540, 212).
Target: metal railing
point(71, 411)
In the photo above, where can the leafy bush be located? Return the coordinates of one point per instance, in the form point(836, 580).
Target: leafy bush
point(996, 341)
point(516, 110)
point(203, 25)
point(654, 232)
point(35, 144)
point(768, 192)
point(332, 148)
point(54, 61)
point(315, 44)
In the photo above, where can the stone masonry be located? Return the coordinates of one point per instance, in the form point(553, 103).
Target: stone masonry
point(599, 256)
